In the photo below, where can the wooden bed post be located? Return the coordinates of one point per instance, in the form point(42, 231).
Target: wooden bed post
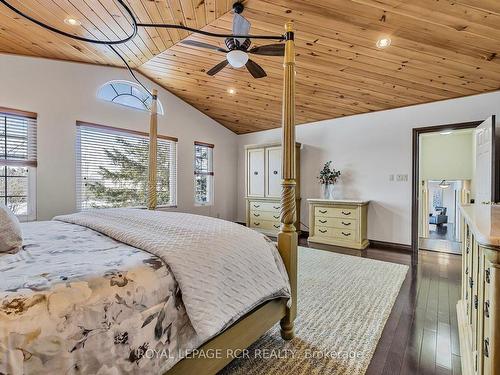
point(287, 238)
point(153, 137)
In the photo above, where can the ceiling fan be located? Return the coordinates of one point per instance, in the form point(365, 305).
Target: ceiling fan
point(238, 48)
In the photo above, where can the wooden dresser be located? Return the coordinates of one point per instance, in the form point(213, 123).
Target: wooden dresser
point(479, 307)
point(338, 222)
point(263, 187)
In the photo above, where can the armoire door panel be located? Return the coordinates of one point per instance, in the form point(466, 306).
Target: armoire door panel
point(256, 173)
point(273, 185)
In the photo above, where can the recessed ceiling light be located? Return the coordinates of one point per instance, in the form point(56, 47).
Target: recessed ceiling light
point(383, 42)
point(231, 91)
point(72, 22)
point(445, 132)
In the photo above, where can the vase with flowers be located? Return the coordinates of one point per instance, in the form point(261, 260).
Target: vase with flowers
point(328, 177)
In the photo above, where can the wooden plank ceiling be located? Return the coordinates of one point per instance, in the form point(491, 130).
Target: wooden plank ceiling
point(101, 20)
point(440, 49)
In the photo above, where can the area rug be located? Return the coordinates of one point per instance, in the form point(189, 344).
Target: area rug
point(343, 305)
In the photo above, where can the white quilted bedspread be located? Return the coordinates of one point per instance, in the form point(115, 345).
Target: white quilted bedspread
point(224, 270)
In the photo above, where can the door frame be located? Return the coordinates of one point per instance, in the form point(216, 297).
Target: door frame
point(415, 175)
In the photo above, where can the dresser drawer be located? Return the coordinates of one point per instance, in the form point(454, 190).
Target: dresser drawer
point(335, 233)
point(264, 224)
point(264, 215)
point(344, 213)
point(335, 222)
point(264, 206)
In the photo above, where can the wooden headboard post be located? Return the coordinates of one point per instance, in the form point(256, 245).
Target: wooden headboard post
point(153, 138)
point(287, 238)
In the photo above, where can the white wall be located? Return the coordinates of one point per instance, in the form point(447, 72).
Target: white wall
point(368, 148)
point(62, 93)
point(447, 156)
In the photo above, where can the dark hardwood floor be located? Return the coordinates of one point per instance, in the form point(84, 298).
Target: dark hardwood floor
point(421, 334)
point(442, 232)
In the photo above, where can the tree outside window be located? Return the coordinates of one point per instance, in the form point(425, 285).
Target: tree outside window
point(113, 168)
point(203, 173)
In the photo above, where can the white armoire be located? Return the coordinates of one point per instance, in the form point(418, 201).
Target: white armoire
point(263, 187)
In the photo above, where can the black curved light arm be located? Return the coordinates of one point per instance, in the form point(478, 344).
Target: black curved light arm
point(135, 26)
point(77, 37)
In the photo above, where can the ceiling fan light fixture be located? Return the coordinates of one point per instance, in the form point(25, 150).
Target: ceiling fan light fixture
point(383, 42)
point(72, 21)
point(237, 58)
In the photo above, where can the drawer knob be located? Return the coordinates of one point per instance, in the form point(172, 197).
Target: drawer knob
point(275, 172)
point(322, 221)
point(346, 234)
point(344, 223)
point(486, 347)
point(488, 276)
point(255, 223)
point(255, 173)
point(471, 283)
point(256, 205)
point(323, 211)
point(276, 207)
point(276, 225)
point(256, 215)
point(487, 309)
point(346, 213)
point(323, 230)
point(276, 216)
point(476, 301)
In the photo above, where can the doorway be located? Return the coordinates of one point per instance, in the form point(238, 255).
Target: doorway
point(440, 224)
point(440, 186)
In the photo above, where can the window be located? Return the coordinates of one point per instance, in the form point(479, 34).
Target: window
point(203, 173)
point(18, 162)
point(112, 168)
point(128, 94)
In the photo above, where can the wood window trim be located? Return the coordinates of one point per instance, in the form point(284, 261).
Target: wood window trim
point(18, 163)
point(198, 143)
point(113, 128)
point(17, 112)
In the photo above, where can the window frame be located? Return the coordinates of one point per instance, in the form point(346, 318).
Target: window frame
point(160, 110)
point(134, 133)
point(210, 173)
point(31, 163)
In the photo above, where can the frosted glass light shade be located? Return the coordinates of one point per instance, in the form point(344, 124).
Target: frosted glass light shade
point(237, 58)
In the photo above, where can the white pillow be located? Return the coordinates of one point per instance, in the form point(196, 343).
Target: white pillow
point(11, 236)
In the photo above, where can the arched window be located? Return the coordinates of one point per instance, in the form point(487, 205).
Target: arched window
point(128, 94)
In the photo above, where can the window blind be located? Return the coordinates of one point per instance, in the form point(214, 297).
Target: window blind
point(18, 162)
point(203, 173)
point(112, 168)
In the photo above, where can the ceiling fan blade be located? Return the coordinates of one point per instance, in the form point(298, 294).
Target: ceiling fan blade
point(217, 68)
point(195, 43)
point(269, 50)
point(255, 69)
point(241, 26)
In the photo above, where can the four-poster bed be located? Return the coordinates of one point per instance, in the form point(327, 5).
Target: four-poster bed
point(248, 329)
